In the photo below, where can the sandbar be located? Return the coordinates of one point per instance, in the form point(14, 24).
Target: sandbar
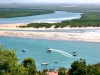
point(6, 30)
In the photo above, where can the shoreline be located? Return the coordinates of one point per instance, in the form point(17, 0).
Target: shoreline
point(15, 27)
point(49, 35)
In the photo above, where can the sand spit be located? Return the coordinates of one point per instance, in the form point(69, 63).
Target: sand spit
point(53, 35)
point(91, 37)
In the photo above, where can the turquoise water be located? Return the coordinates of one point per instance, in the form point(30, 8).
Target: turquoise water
point(36, 49)
point(58, 16)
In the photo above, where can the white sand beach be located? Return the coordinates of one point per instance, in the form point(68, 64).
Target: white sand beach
point(7, 31)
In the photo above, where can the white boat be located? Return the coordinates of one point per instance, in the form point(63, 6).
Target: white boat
point(49, 51)
point(44, 63)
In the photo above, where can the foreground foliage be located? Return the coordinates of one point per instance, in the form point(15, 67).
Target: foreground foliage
point(62, 71)
point(79, 67)
point(9, 64)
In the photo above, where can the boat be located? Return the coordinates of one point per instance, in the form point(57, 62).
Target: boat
point(23, 50)
point(44, 63)
point(49, 51)
point(56, 62)
point(74, 53)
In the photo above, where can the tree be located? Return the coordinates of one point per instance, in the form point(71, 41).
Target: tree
point(62, 71)
point(94, 69)
point(8, 59)
point(9, 64)
point(29, 63)
point(78, 68)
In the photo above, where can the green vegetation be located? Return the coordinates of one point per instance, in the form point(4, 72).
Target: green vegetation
point(87, 20)
point(62, 71)
point(9, 64)
point(80, 68)
point(38, 25)
point(19, 12)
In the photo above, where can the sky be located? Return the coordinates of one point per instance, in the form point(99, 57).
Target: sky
point(50, 1)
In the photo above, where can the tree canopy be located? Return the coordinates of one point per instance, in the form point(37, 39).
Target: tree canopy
point(9, 64)
point(79, 67)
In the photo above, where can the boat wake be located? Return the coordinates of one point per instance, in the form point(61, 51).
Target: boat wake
point(63, 53)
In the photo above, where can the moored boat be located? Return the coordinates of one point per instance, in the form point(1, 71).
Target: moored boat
point(74, 53)
point(44, 63)
point(23, 50)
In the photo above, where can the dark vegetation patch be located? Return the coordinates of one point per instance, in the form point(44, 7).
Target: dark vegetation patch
point(19, 12)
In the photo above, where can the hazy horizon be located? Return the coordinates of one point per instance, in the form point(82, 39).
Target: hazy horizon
point(55, 1)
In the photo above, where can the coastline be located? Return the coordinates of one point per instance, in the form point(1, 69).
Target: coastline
point(15, 27)
point(48, 35)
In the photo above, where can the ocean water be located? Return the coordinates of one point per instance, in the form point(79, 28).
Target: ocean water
point(58, 16)
point(36, 49)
